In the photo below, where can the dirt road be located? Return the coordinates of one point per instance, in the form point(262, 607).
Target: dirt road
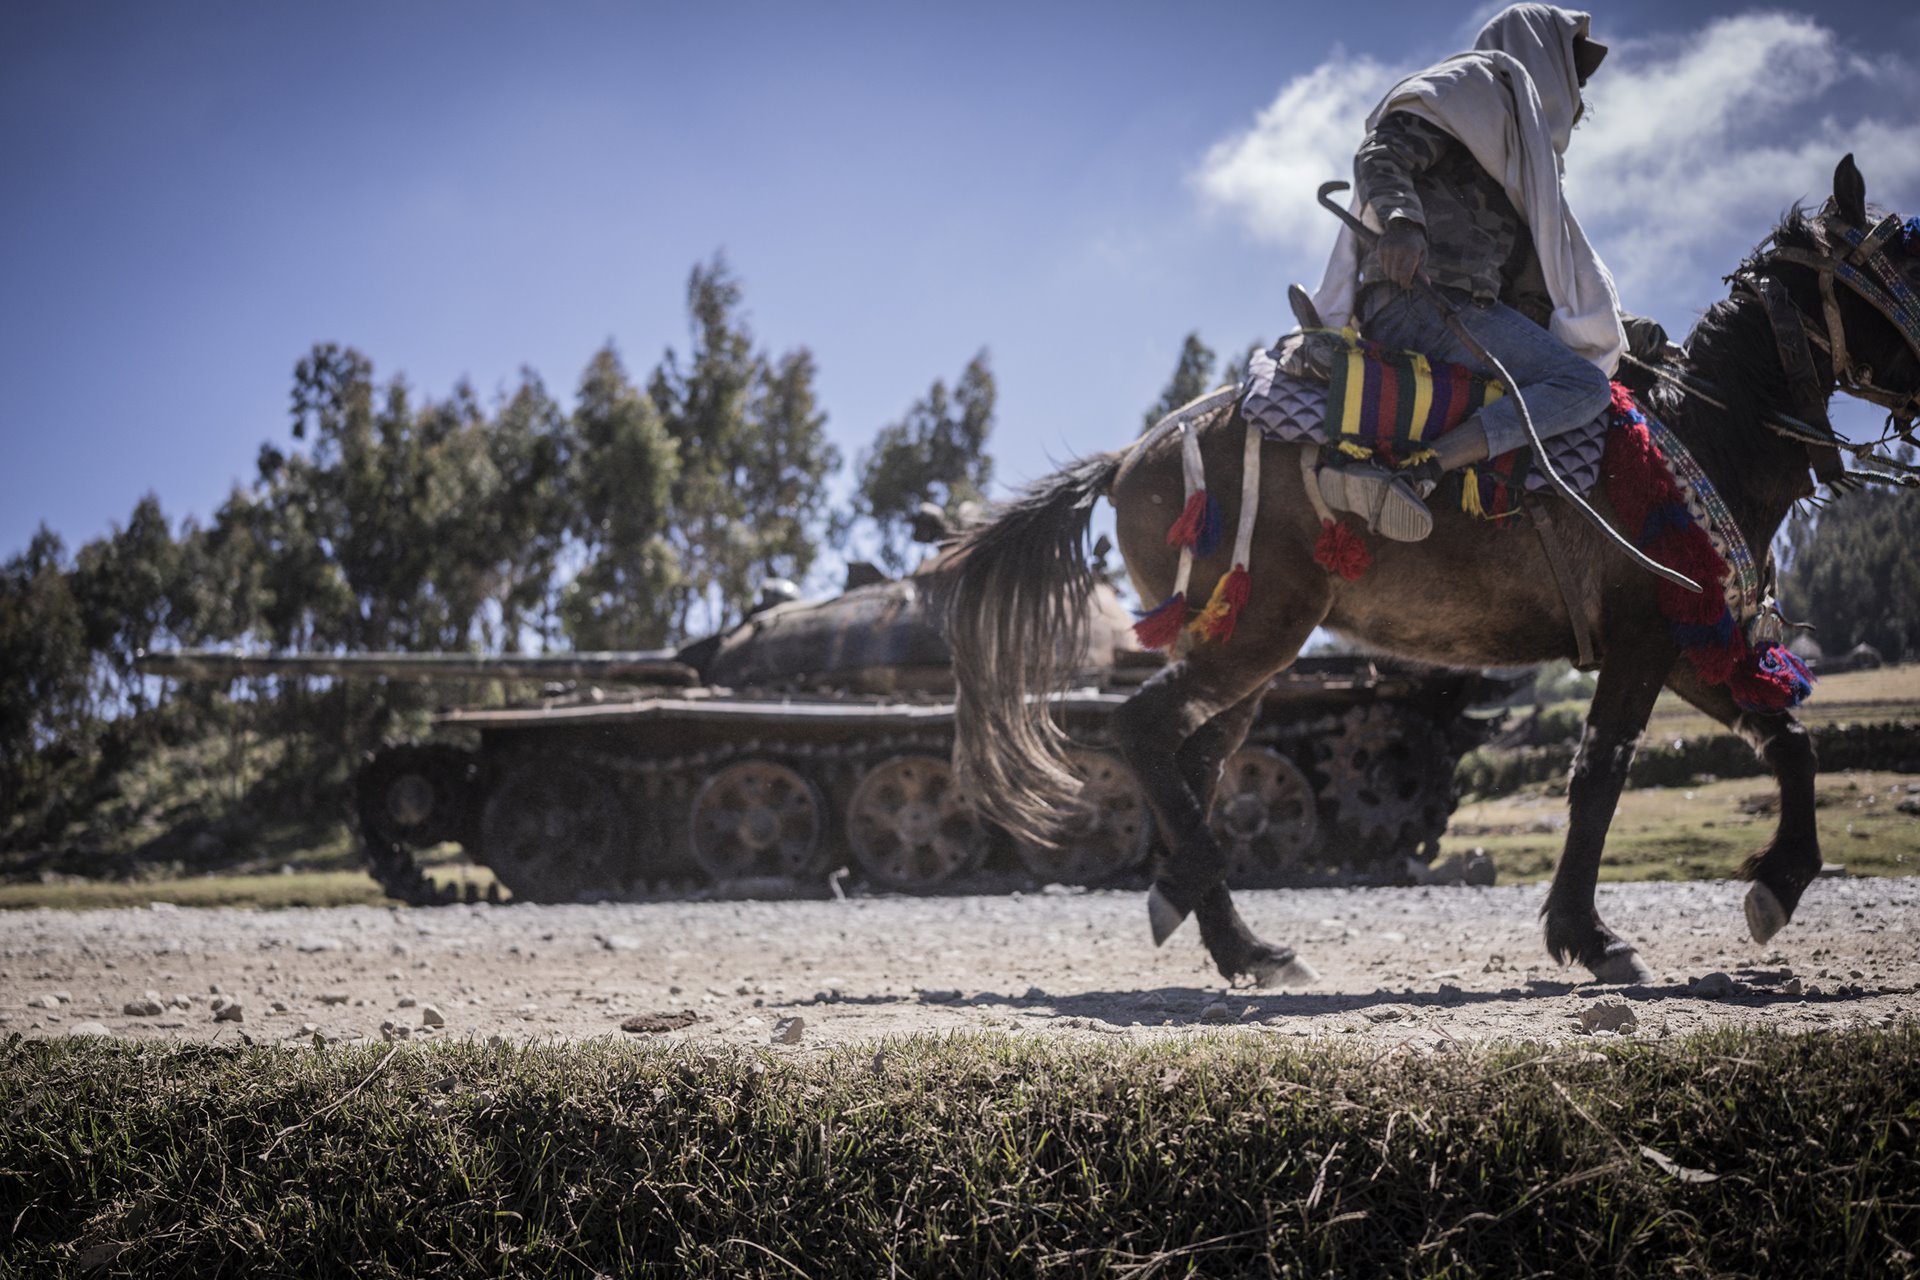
point(1419, 966)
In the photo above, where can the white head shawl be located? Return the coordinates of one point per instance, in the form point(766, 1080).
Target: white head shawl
point(1512, 102)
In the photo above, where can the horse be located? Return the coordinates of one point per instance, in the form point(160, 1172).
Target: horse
point(1773, 352)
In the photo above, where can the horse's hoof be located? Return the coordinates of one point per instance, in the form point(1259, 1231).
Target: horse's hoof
point(1291, 973)
point(1162, 915)
point(1621, 967)
point(1765, 915)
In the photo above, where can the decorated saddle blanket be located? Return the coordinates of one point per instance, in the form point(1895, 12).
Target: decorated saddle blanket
point(1338, 390)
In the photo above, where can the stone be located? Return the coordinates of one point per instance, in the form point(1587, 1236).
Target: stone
point(789, 1030)
point(278, 1006)
point(1216, 1012)
point(391, 1030)
point(406, 1002)
point(657, 1023)
point(1794, 987)
point(430, 1016)
point(334, 997)
point(48, 1001)
point(316, 942)
point(231, 1011)
point(145, 1007)
point(1713, 986)
point(89, 1029)
point(1616, 1016)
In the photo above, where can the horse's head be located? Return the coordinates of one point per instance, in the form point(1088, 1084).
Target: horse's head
point(1852, 275)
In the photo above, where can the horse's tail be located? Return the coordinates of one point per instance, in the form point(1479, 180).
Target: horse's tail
point(1016, 604)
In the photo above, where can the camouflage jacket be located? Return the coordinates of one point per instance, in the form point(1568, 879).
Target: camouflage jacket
point(1476, 241)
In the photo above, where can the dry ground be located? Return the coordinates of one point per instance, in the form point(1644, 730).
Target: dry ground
point(1398, 966)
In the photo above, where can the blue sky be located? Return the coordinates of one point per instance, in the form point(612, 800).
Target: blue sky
point(196, 193)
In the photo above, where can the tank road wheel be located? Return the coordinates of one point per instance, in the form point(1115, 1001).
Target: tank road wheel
point(1389, 776)
point(555, 831)
point(1111, 833)
point(758, 818)
point(1266, 818)
point(409, 797)
point(416, 795)
point(910, 825)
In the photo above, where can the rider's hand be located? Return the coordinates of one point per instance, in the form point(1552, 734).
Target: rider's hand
point(1403, 248)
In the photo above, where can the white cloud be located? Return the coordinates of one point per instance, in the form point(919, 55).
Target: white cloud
point(1695, 145)
point(1699, 144)
point(1268, 173)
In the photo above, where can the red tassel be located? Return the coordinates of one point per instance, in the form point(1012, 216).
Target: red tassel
point(1160, 627)
point(1198, 528)
point(1185, 530)
point(1230, 596)
point(1341, 551)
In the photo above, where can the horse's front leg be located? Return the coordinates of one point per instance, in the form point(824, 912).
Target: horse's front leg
point(1781, 869)
point(1631, 675)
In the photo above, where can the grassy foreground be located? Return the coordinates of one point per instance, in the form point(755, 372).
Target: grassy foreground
point(1742, 1153)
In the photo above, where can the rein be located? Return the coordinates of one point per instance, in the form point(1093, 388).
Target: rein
point(1784, 424)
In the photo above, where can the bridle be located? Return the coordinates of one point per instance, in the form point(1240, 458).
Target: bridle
point(1864, 262)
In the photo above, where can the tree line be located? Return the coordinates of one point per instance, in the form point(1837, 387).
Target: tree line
point(646, 512)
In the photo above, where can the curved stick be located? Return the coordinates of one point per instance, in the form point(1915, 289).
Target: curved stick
point(1367, 235)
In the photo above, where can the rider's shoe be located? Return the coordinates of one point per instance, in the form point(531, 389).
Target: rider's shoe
point(1388, 502)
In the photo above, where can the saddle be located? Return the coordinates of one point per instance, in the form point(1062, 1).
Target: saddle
point(1335, 389)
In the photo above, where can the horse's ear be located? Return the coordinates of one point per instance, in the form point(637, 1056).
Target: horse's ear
point(1850, 191)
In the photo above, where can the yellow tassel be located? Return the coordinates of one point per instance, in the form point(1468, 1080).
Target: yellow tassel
point(1359, 451)
point(1470, 498)
point(1216, 621)
point(1470, 494)
point(1415, 459)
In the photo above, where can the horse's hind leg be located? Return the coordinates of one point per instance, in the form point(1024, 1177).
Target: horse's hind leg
point(1630, 678)
point(1782, 869)
point(1202, 758)
point(1174, 733)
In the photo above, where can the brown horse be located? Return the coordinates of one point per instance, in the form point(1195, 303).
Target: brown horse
point(1466, 596)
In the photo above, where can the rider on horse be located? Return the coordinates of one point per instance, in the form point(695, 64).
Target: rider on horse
point(1461, 171)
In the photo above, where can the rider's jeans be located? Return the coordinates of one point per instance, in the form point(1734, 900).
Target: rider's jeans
point(1562, 390)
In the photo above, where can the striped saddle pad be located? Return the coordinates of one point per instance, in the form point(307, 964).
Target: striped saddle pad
point(1376, 400)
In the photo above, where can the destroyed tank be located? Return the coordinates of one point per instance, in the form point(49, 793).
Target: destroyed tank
point(817, 736)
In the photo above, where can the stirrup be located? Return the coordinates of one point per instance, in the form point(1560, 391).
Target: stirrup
point(1384, 500)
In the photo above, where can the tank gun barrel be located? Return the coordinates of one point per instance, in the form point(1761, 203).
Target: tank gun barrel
point(645, 666)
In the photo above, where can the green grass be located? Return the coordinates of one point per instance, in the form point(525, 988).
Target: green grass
point(1736, 1153)
point(1698, 833)
point(261, 891)
point(1851, 697)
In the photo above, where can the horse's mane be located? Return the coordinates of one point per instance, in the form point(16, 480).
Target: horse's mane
point(1732, 348)
point(1732, 344)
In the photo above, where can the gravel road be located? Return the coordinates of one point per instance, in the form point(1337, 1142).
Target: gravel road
point(1398, 966)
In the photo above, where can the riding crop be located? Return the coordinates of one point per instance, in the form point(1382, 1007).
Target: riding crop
point(1367, 236)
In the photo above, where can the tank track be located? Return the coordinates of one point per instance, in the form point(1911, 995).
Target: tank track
point(391, 847)
point(1347, 756)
